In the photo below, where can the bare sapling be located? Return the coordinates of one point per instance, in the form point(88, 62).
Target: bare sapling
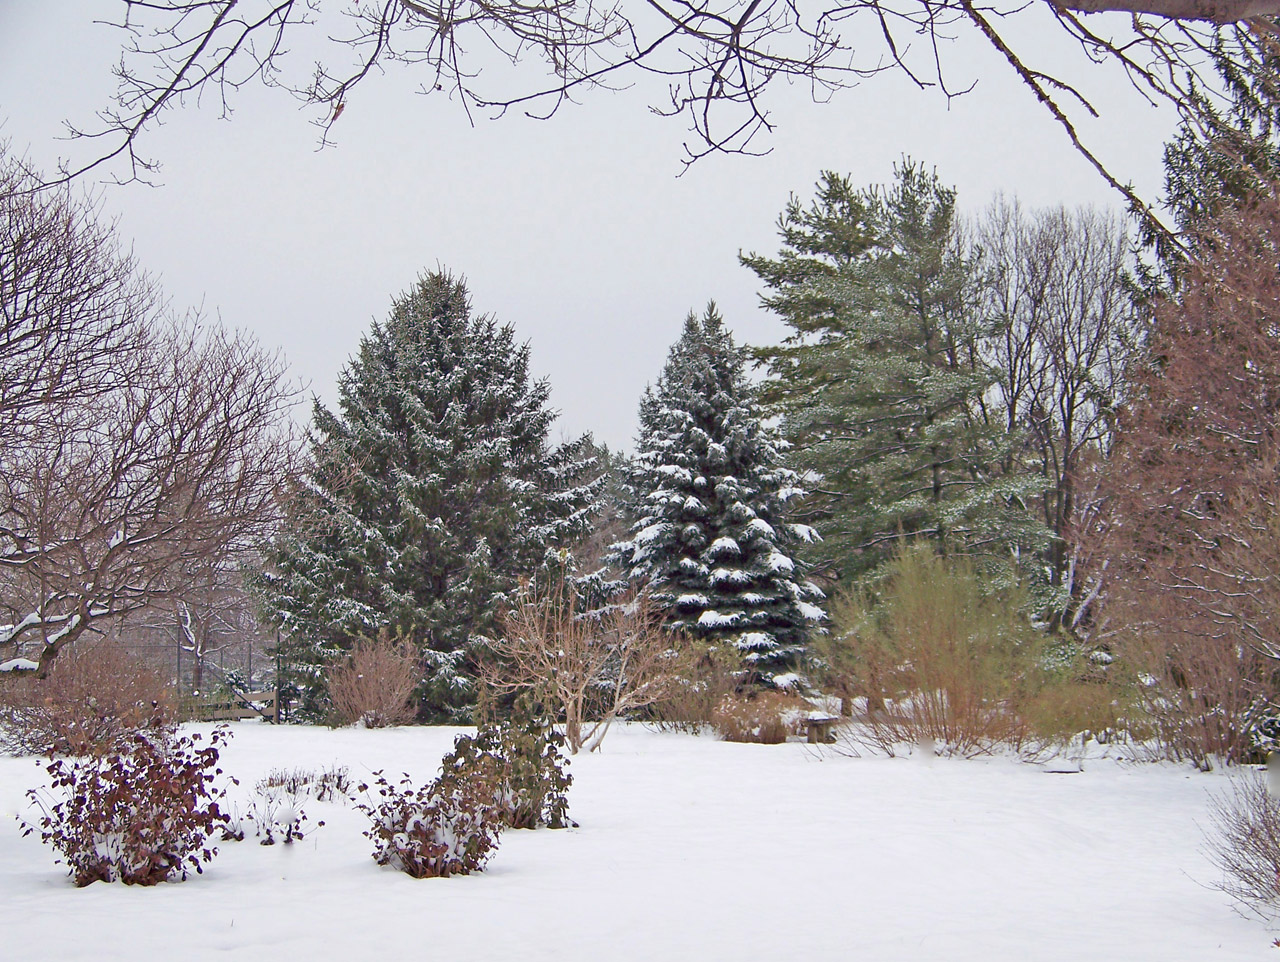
point(592, 669)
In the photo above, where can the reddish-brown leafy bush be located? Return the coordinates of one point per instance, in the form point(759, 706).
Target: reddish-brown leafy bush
point(92, 695)
point(524, 755)
point(449, 827)
point(141, 812)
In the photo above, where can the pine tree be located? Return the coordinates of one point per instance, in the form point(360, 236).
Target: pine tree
point(1222, 155)
point(710, 497)
point(881, 386)
point(431, 490)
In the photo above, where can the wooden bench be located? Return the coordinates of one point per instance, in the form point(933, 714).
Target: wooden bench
point(819, 729)
point(252, 704)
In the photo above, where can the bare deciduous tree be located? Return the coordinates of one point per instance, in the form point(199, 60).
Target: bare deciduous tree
point(73, 306)
point(180, 467)
point(137, 454)
point(213, 617)
point(592, 670)
point(1192, 526)
point(1067, 333)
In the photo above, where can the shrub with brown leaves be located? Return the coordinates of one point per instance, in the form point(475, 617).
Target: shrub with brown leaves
point(762, 717)
point(140, 812)
point(92, 695)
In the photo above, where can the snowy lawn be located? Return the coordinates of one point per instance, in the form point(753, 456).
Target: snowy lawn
point(689, 848)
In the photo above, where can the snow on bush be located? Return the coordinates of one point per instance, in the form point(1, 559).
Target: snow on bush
point(277, 815)
point(524, 755)
point(140, 812)
point(449, 827)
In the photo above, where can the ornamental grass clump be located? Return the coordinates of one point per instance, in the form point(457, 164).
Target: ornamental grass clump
point(141, 812)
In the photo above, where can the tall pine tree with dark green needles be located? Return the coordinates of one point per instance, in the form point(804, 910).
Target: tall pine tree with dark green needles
point(432, 489)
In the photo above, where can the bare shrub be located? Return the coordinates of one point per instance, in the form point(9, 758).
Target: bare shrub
point(89, 697)
point(141, 812)
point(1069, 702)
point(705, 676)
point(761, 717)
point(277, 814)
point(1245, 842)
point(940, 657)
point(331, 784)
point(591, 670)
point(1204, 701)
point(376, 684)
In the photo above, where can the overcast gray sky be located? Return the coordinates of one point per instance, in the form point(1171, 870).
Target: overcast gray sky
point(576, 230)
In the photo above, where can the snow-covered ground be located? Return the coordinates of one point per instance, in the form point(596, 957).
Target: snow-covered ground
point(689, 848)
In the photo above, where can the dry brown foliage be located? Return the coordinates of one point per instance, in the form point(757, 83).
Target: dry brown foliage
point(1192, 528)
point(375, 686)
point(760, 717)
point(92, 694)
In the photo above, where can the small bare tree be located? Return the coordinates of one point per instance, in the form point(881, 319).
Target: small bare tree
point(591, 668)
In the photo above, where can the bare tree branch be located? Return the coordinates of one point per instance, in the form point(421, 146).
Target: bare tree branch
point(718, 59)
point(137, 455)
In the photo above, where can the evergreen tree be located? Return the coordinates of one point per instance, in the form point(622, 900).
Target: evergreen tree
point(711, 536)
point(431, 490)
point(882, 385)
point(1221, 156)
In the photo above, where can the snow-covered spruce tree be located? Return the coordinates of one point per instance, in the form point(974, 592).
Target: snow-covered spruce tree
point(432, 489)
point(710, 497)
